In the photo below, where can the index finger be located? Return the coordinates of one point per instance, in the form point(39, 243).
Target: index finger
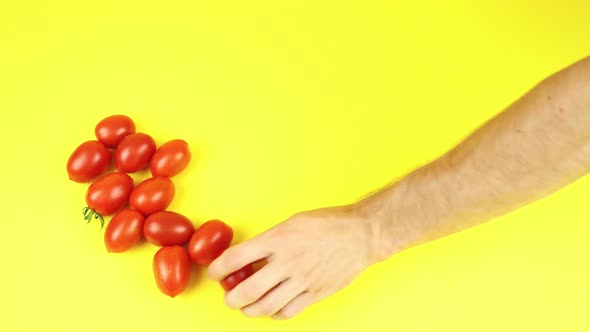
point(235, 258)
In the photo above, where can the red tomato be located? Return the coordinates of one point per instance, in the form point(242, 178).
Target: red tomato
point(171, 158)
point(109, 193)
point(167, 228)
point(111, 130)
point(172, 270)
point(123, 231)
point(152, 195)
point(209, 241)
point(134, 152)
point(234, 279)
point(88, 161)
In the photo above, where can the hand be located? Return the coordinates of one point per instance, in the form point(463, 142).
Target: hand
point(309, 257)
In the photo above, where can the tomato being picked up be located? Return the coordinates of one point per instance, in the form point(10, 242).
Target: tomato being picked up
point(167, 228)
point(134, 152)
point(111, 130)
point(209, 241)
point(171, 158)
point(88, 161)
point(107, 195)
point(234, 279)
point(172, 270)
point(124, 230)
point(152, 195)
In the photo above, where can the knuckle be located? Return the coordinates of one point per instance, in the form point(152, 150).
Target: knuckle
point(258, 310)
point(243, 295)
point(304, 280)
point(285, 314)
point(214, 271)
point(275, 232)
point(266, 309)
point(229, 260)
point(297, 216)
point(230, 301)
point(273, 303)
point(248, 312)
point(240, 297)
point(228, 256)
point(251, 293)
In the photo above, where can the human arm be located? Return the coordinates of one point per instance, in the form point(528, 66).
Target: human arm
point(536, 146)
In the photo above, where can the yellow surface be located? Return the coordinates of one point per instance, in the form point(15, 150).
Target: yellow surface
point(288, 105)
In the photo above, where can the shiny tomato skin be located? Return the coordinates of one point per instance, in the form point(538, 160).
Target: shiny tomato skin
point(124, 230)
point(152, 195)
point(171, 266)
point(111, 130)
point(234, 279)
point(134, 152)
point(166, 228)
point(109, 193)
point(171, 158)
point(209, 241)
point(88, 161)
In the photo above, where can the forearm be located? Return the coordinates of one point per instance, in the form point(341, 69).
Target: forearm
point(538, 145)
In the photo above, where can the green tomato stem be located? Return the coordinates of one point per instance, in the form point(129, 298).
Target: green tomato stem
point(90, 213)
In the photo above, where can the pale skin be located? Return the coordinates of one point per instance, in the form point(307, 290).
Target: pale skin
point(538, 145)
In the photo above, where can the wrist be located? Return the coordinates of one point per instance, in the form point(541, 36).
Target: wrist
point(380, 218)
point(404, 214)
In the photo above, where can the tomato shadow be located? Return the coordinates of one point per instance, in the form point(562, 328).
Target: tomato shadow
point(198, 278)
point(112, 168)
point(141, 245)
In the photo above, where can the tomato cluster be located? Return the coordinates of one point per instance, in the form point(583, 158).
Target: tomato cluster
point(141, 211)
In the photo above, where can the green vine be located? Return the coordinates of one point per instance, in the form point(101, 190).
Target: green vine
point(90, 214)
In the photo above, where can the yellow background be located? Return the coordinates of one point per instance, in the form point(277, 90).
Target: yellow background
point(288, 105)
